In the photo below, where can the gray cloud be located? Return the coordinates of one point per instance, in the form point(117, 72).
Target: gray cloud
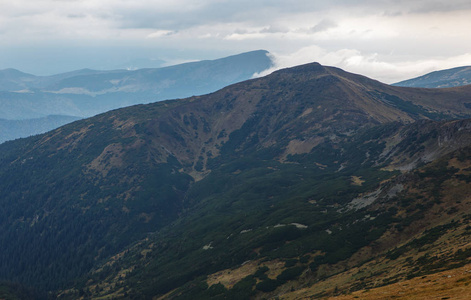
point(392, 13)
point(323, 25)
point(206, 13)
point(185, 14)
point(264, 12)
point(274, 29)
point(256, 12)
point(76, 16)
point(425, 7)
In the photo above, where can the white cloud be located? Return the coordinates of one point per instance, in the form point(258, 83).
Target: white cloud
point(245, 36)
point(370, 65)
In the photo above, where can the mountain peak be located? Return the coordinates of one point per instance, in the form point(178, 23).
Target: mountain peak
point(13, 72)
point(306, 68)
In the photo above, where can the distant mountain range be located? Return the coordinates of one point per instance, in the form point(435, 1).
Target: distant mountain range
point(86, 92)
point(310, 182)
point(440, 79)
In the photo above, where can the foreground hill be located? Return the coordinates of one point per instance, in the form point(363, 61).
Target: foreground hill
point(440, 79)
point(289, 172)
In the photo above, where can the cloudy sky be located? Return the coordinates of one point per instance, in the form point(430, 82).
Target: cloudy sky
point(388, 40)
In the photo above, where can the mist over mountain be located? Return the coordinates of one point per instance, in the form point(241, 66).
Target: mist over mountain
point(266, 188)
point(440, 79)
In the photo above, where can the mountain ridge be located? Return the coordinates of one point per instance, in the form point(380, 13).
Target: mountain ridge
point(440, 79)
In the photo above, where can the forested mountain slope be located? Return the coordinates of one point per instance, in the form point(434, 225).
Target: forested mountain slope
point(287, 169)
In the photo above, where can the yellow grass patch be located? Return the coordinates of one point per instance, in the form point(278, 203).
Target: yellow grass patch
point(356, 180)
point(302, 146)
point(230, 277)
point(452, 284)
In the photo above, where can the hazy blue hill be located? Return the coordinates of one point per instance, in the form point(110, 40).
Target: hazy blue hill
point(13, 129)
point(13, 80)
point(440, 79)
point(140, 64)
point(181, 80)
point(88, 92)
point(43, 82)
point(19, 106)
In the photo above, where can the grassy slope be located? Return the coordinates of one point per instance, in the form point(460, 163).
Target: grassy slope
point(451, 284)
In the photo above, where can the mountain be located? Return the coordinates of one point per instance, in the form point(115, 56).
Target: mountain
point(84, 93)
point(264, 188)
point(11, 79)
point(140, 63)
point(14, 129)
point(440, 79)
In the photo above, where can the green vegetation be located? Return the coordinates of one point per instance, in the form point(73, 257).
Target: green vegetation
point(250, 197)
point(290, 274)
point(268, 285)
point(255, 208)
point(428, 237)
point(413, 109)
point(12, 291)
